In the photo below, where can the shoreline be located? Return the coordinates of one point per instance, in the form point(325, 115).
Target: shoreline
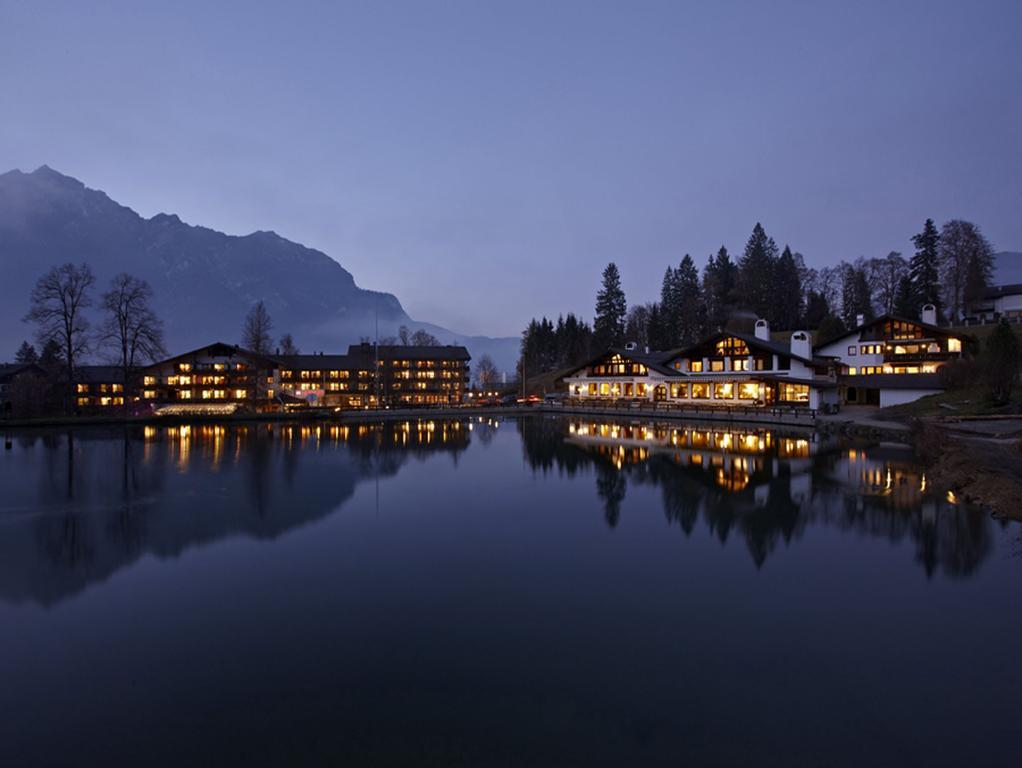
point(980, 467)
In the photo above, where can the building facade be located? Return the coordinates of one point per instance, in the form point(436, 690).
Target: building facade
point(727, 369)
point(211, 378)
point(892, 360)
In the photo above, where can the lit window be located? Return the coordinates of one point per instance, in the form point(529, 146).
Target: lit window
point(748, 390)
point(723, 390)
point(700, 391)
point(240, 394)
point(696, 366)
point(954, 345)
point(148, 380)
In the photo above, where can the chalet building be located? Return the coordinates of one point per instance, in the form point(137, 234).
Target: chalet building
point(24, 390)
point(891, 360)
point(727, 369)
point(216, 375)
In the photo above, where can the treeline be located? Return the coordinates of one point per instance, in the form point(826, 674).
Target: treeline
point(949, 268)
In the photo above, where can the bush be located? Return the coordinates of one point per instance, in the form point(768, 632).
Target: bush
point(1000, 362)
point(959, 374)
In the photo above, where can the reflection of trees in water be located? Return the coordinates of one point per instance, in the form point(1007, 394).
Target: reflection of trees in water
point(755, 496)
point(105, 496)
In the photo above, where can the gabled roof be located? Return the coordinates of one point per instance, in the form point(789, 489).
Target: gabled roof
point(220, 349)
point(99, 374)
point(932, 329)
point(754, 342)
point(655, 361)
point(10, 370)
point(999, 291)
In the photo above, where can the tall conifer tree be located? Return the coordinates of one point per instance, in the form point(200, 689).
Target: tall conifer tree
point(611, 308)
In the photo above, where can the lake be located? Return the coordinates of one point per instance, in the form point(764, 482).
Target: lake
point(481, 592)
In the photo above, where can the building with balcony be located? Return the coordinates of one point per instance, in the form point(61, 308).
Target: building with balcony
point(727, 369)
point(333, 381)
point(215, 378)
point(411, 375)
point(891, 360)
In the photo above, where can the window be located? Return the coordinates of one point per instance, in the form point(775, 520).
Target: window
point(851, 350)
point(184, 367)
point(184, 394)
point(640, 389)
point(149, 394)
point(679, 391)
point(695, 366)
point(723, 390)
point(83, 401)
point(240, 394)
point(732, 347)
point(748, 390)
point(954, 345)
point(716, 366)
point(628, 390)
point(148, 380)
point(794, 393)
point(700, 391)
point(82, 388)
point(592, 390)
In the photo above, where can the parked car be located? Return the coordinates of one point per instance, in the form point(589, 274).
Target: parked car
point(529, 400)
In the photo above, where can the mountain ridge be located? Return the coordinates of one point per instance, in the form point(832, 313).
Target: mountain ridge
point(204, 280)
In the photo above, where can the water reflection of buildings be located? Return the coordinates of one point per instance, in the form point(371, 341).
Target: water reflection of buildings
point(765, 485)
point(81, 505)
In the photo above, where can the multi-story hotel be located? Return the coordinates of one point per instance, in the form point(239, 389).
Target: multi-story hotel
point(219, 377)
point(727, 369)
point(370, 375)
point(892, 360)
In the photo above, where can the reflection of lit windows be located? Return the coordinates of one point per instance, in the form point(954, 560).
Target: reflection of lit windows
point(240, 394)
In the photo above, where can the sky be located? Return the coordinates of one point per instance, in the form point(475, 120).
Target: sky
point(485, 160)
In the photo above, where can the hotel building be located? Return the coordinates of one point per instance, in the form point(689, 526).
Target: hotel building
point(727, 369)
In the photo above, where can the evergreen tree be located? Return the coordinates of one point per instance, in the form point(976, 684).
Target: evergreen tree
point(787, 293)
point(906, 303)
point(817, 308)
point(719, 280)
point(756, 273)
point(670, 307)
point(691, 310)
point(856, 298)
point(924, 268)
point(609, 324)
point(1001, 361)
point(659, 334)
point(26, 354)
point(830, 328)
point(50, 357)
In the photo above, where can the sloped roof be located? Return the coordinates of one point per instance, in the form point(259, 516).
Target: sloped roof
point(220, 349)
point(999, 291)
point(655, 361)
point(99, 374)
point(932, 329)
point(9, 370)
point(754, 342)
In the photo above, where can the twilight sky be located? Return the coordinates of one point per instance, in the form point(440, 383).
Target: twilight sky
point(485, 160)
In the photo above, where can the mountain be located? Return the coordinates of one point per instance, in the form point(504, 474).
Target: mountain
point(1007, 268)
point(204, 281)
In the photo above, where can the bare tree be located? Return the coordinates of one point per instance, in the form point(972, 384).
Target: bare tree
point(287, 345)
point(404, 334)
point(966, 259)
point(57, 305)
point(256, 334)
point(130, 326)
point(486, 372)
point(423, 338)
point(884, 277)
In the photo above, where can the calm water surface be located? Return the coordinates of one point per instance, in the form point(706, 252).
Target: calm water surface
point(535, 592)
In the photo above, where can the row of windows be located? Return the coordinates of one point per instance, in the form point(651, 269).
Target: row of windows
point(102, 401)
point(869, 370)
point(83, 389)
point(719, 390)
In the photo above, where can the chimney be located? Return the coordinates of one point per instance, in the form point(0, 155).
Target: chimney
point(929, 314)
point(763, 330)
point(630, 346)
point(860, 320)
point(801, 345)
